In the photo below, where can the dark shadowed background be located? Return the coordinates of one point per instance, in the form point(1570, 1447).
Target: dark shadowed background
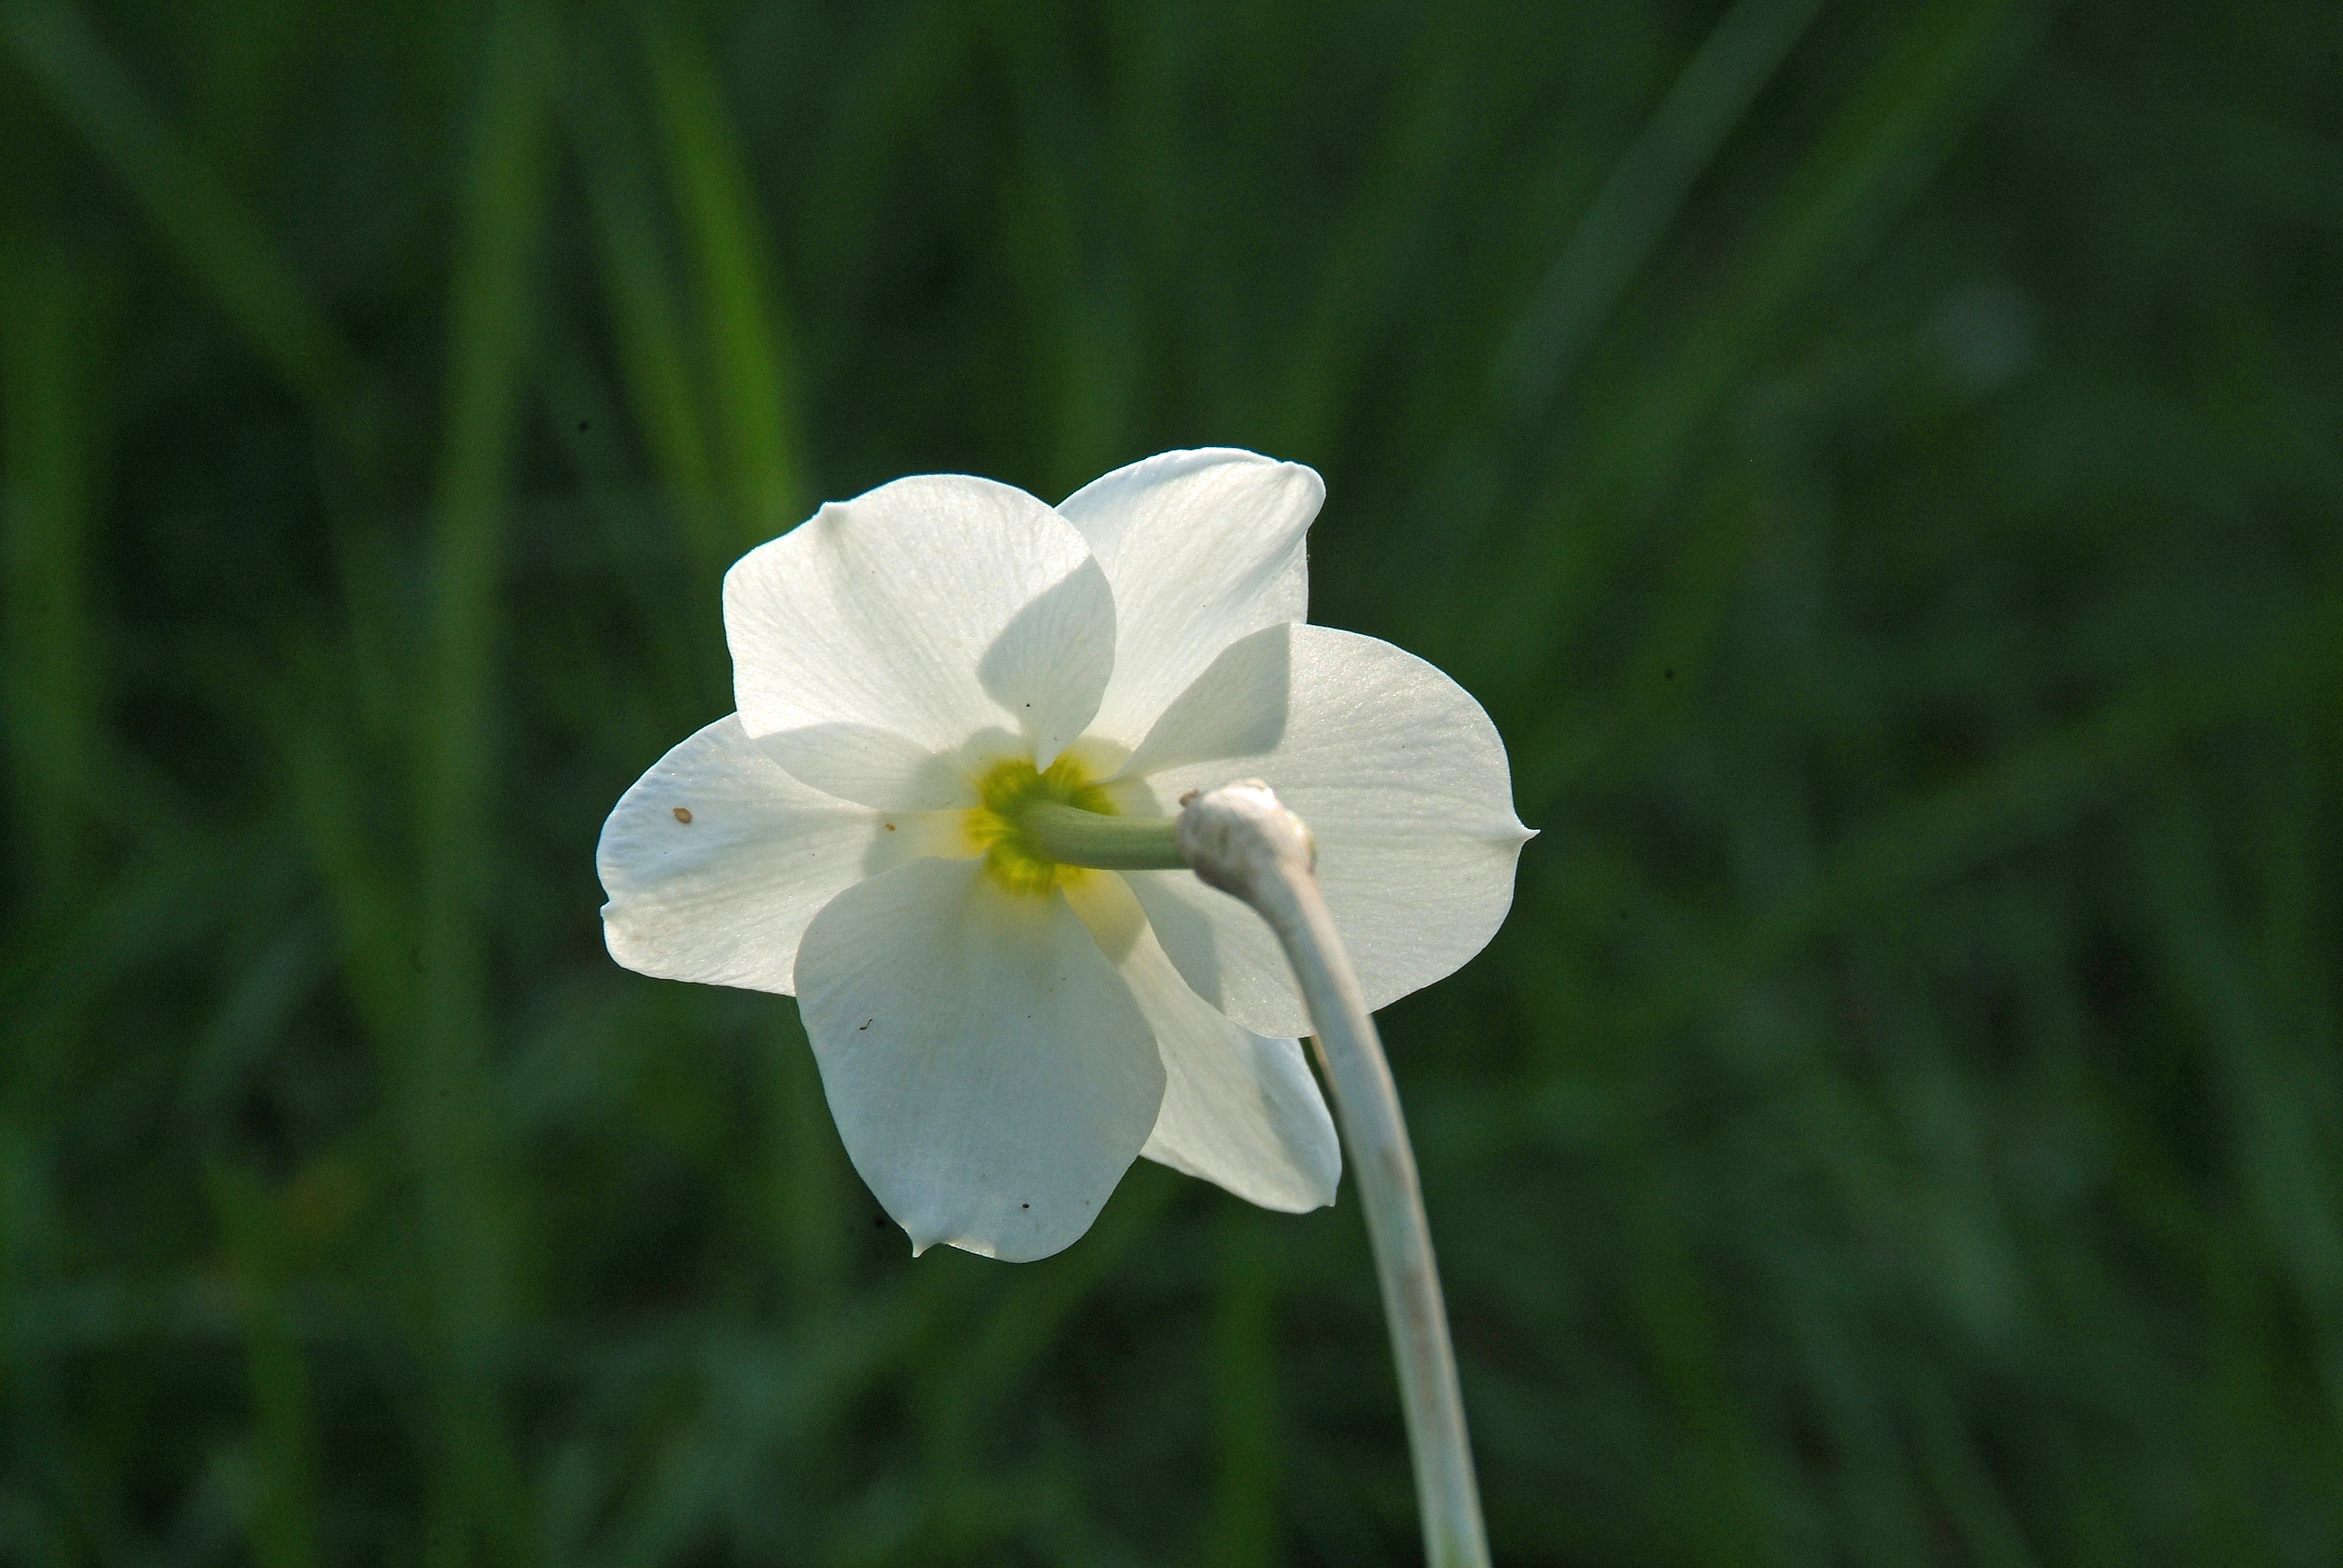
point(1878, 463)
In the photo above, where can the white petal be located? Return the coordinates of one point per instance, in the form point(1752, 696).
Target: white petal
point(990, 1074)
point(1238, 1110)
point(724, 895)
point(1202, 548)
point(1402, 781)
point(873, 767)
point(898, 624)
point(1235, 708)
point(1221, 949)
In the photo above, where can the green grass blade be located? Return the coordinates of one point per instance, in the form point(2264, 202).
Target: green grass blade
point(749, 356)
point(657, 353)
point(1647, 188)
point(212, 237)
point(441, 1067)
point(51, 676)
point(1241, 1529)
point(1866, 163)
point(282, 1514)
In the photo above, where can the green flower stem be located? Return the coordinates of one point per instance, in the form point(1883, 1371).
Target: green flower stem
point(1239, 838)
point(1074, 837)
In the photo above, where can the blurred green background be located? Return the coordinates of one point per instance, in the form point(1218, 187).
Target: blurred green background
point(1878, 463)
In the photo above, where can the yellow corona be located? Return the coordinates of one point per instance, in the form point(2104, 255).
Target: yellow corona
point(1009, 789)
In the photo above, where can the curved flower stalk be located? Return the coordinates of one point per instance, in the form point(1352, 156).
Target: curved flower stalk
point(942, 818)
point(1241, 840)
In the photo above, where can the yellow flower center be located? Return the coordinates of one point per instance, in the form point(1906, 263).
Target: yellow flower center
point(1008, 788)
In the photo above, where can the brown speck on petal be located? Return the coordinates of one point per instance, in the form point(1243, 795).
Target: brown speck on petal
point(683, 813)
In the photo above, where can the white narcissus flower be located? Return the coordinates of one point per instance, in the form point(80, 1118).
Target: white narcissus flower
point(1001, 1036)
